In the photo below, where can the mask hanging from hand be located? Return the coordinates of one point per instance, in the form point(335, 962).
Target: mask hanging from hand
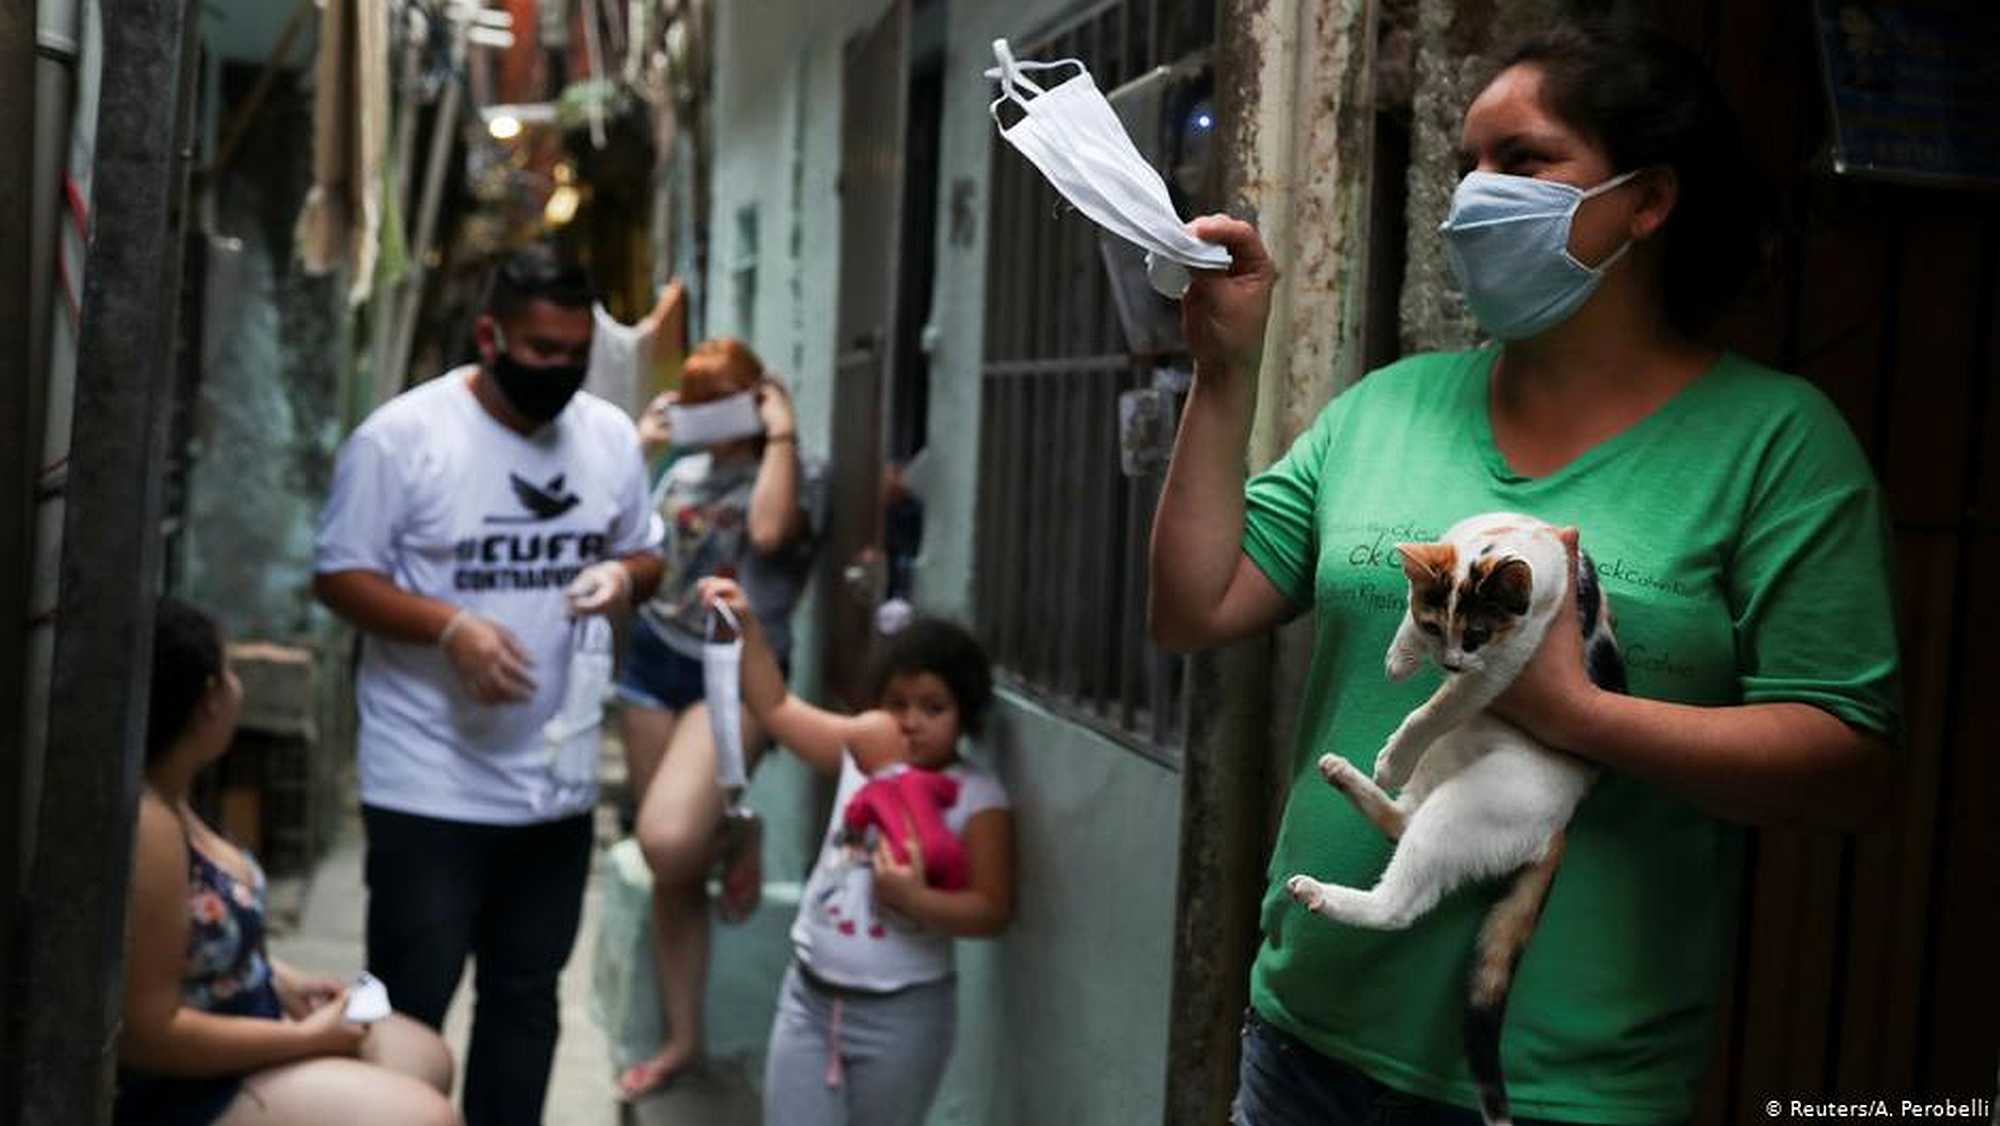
point(722, 691)
point(1507, 240)
point(569, 746)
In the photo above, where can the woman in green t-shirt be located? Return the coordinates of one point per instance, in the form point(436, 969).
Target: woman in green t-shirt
point(1607, 213)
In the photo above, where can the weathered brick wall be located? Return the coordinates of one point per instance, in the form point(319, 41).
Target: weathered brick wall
point(1457, 43)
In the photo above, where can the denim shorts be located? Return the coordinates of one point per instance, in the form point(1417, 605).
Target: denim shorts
point(655, 674)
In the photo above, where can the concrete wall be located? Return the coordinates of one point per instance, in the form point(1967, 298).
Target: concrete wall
point(1457, 45)
point(267, 420)
point(1064, 1018)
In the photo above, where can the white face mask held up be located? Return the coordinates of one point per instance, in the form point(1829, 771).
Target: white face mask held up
point(721, 420)
point(1074, 138)
point(572, 759)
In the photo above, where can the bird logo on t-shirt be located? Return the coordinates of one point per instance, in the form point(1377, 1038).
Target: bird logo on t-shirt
point(546, 501)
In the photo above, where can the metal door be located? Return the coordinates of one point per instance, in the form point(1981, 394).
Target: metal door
point(874, 82)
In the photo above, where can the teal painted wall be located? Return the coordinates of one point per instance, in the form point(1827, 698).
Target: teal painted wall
point(1062, 1019)
point(1065, 1019)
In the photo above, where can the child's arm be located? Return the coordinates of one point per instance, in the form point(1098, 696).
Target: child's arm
point(986, 905)
point(814, 734)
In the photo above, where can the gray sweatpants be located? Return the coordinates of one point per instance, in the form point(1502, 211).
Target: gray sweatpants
point(857, 1059)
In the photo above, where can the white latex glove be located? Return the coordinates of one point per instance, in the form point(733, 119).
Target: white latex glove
point(599, 588)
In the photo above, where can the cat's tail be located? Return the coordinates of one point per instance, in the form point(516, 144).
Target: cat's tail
point(1501, 939)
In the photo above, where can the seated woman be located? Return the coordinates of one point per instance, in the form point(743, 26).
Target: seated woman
point(215, 1030)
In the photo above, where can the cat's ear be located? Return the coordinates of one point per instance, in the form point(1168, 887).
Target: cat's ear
point(1427, 562)
point(1506, 584)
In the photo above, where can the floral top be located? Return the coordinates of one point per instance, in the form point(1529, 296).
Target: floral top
point(227, 971)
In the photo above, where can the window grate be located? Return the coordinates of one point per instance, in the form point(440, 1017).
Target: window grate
point(1060, 578)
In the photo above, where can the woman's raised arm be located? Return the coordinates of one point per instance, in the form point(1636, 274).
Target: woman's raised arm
point(1202, 590)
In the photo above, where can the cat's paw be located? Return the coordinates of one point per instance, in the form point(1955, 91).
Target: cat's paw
point(1390, 771)
point(1306, 892)
point(1401, 663)
point(1338, 772)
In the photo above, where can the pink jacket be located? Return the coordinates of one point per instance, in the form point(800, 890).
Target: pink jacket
point(922, 796)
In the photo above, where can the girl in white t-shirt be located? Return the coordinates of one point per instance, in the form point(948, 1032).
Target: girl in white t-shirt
point(868, 1008)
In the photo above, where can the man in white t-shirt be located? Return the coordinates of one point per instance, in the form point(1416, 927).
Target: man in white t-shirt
point(479, 526)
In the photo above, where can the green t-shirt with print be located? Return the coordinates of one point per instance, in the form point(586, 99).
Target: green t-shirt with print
point(1742, 544)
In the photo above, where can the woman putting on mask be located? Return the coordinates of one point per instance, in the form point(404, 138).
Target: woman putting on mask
point(734, 508)
point(1604, 218)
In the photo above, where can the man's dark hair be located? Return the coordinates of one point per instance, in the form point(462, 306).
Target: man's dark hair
point(945, 650)
point(538, 272)
point(1647, 101)
point(187, 657)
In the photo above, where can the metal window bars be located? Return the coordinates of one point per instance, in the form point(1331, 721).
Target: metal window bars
point(1060, 578)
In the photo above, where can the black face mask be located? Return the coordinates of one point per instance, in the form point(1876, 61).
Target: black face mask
point(539, 392)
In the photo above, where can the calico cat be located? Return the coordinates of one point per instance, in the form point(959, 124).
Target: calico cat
point(1479, 797)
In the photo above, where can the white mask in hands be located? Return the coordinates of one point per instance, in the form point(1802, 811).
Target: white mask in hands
point(722, 691)
point(572, 760)
point(367, 1000)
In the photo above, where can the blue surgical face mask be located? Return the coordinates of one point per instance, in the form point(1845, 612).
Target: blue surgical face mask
point(1507, 239)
